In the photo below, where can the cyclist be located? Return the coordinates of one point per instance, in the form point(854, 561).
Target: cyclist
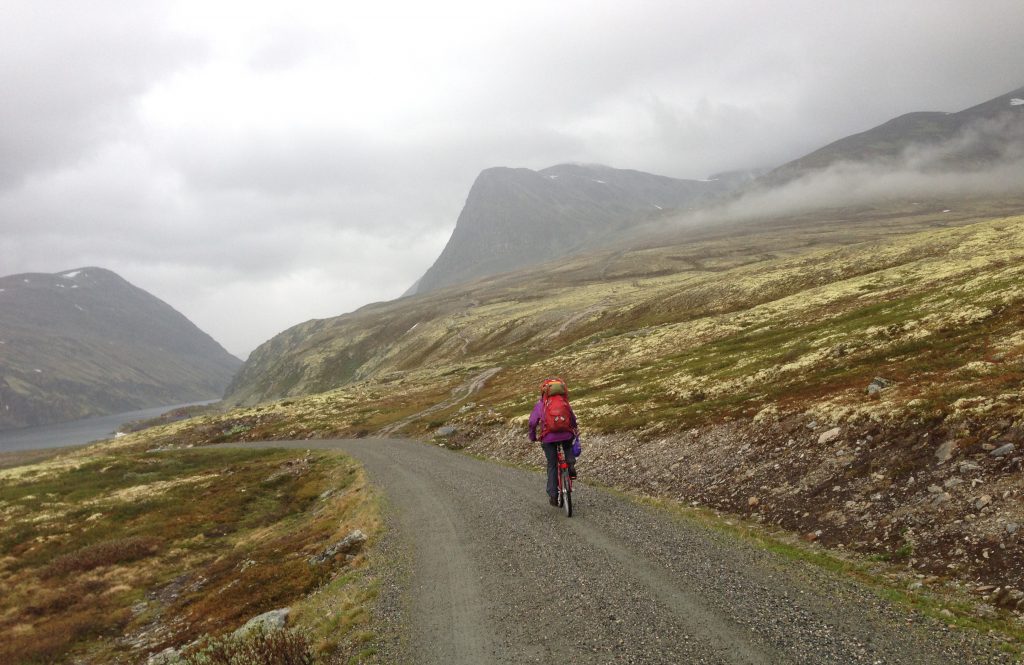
point(558, 435)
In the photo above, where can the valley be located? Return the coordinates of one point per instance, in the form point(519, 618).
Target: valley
point(857, 384)
point(800, 395)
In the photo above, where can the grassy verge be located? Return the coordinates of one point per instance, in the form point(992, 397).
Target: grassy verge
point(108, 555)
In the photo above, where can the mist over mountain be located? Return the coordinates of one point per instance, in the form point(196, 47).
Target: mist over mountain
point(974, 138)
point(86, 342)
point(519, 217)
point(917, 165)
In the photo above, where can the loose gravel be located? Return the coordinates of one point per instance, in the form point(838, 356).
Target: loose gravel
point(480, 569)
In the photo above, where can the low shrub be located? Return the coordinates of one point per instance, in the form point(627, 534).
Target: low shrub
point(256, 647)
point(105, 553)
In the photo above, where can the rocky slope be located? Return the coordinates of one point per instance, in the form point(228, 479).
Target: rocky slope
point(86, 342)
point(518, 217)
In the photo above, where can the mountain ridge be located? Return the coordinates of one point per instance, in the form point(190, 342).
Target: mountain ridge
point(86, 342)
point(514, 217)
point(918, 129)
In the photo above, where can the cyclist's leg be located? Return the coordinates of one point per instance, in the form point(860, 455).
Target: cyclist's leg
point(567, 449)
point(552, 455)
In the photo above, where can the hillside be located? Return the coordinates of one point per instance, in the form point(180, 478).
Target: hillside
point(856, 378)
point(517, 217)
point(86, 342)
point(969, 139)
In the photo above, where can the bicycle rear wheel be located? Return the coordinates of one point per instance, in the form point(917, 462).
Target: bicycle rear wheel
point(566, 494)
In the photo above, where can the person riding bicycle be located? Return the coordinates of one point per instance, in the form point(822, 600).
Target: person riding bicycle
point(554, 423)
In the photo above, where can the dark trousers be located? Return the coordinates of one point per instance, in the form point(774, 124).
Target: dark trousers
point(551, 452)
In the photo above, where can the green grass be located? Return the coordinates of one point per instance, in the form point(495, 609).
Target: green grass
point(83, 544)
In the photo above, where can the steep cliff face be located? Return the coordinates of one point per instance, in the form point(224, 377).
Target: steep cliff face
point(517, 217)
point(86, 342)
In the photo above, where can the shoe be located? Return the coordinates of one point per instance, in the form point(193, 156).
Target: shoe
point(572, 473)
point(553, 500)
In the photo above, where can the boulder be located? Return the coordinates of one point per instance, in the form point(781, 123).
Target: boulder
point(830, 435)
point(945, 451)
point(169, 656)
point(877, 385)
point(346, 545)
point(272, 620)
point(1003, 450)
point(445, 431)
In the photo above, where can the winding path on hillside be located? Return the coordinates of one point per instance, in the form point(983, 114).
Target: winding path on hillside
point(460, 394)
point(480, 569)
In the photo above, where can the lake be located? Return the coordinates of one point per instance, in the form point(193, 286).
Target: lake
point(76, 432)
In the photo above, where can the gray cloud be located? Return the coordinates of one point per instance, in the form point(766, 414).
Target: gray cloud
point(70, 71)
point(258, 165)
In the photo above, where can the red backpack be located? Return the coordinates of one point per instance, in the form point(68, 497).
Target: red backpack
point(557, 416)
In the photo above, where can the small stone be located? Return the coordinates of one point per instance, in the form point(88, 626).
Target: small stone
point(1012, 528)
point(952, 482)
point(877, 385)
point(914, 586)
point(982, 501)
point(830, 435)
point(445, 431)
point(934, 489)
point(946, 614)
point(753, 502)
point(945, 451)
point(1003, 451)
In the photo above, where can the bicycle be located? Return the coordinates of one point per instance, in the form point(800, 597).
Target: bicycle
point(564, 484)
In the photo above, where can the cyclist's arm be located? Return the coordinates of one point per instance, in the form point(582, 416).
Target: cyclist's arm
point(535, 420)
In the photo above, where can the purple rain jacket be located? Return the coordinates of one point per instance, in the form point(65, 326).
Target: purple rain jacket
point(550, 437)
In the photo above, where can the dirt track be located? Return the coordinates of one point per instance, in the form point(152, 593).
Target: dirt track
point(480, 569)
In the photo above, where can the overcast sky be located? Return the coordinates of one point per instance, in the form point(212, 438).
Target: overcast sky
point(257, 164)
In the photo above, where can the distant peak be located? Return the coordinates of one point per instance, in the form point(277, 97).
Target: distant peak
point(87, 271)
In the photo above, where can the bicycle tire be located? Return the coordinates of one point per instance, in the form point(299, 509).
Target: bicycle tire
point(566, 493)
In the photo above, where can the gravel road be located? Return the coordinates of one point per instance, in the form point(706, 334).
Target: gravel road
point(480, 569)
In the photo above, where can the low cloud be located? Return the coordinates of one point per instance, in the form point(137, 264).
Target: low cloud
point(986, 158)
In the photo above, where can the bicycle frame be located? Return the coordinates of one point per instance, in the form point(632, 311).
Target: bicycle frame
point(564, 483)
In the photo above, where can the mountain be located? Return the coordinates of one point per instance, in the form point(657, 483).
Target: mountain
point(971, 138)
point(519, 217)
point(86, 342)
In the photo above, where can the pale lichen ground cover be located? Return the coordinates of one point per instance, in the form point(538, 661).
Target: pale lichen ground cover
point(119, 550)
